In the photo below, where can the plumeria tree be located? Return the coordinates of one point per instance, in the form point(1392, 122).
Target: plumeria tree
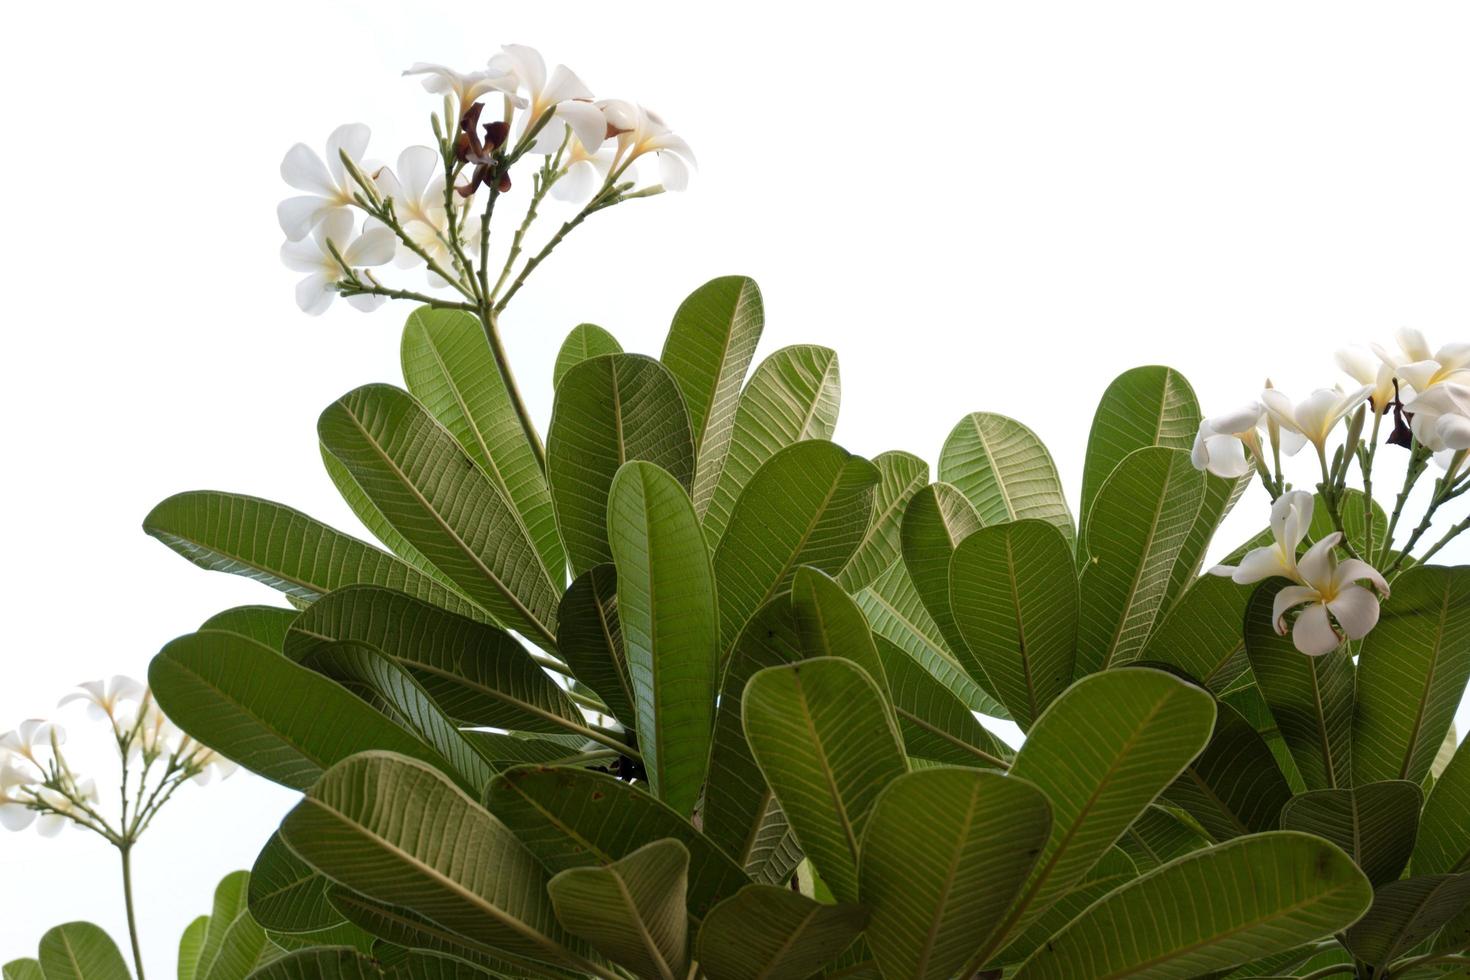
point(40, 787)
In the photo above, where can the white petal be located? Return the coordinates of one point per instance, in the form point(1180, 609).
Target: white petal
point(417, 166)
point(299, 215)
point(1317, 565)
point(375, 246)
point(1355, 570)
point(1280, 408)
point(16, 816)
point(673, 172)
point(50, 824)
point(588, 123)
point(1358, 364)
point(1242, 419)
point(366, 302)
point(1227, 457)
point(314, 294)
point(564, 85)
point(1292, 442)
point(1412, 343)
point(1288, 599)
point(1260, 564)
point(302, 256)
point(1356, 611)
point(351, 137)
point(1313, 634)
point(525, 63)
point(577, 184)
point(1453, 431)
point(1419, 375)
point(303, 170)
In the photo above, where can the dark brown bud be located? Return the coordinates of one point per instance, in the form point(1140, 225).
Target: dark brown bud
point(502, 184)
point(495, 134)
point(471, 118)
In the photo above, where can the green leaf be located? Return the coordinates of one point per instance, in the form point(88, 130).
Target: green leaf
point(666, 605)
point(792, 396)
point(935, 897)
point(1114, 869)
point(1220, 913)
point(1145, 406)
point(895, 612)
point(1234, 786)
point(584, 342)
point(1201, 636)
point(1404, 914)
point(632, 910)
point(1311, 698)
point(591, 640)
point(708, 350)
point(1412, 671)
point(375, 521)
point(1157, 836)
point(1375, 823)
point(449, 367)
point(900, 476)
point(1006, 473)
point(397, 831)
point(1219, 499)
point(382, 682)
point(1443, 845)
point(807, 505)
point(1013, 595)
point(573, 818)
point(28, 969)
point(936, 725)
point(766, 932)
point(275, 718)
point(1135, 533)
point(479, 675)
point(936, 520)
point(285, 549)
point(234, 943)
point(1101, 753)
point(263, 624)
point(80, 951)
point(339, 963)
point(609, 410)
point(191, 942)
point(515, 748)
point(824, 740)
point(286, 894)
point(418, 474)
point(815, 619)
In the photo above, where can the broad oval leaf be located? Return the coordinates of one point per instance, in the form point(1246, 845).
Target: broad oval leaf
point(1013, 594)
point(285, 549)
point(1405, 913)
point(449, 367)
point(397, 831)
point(632, 910)
point(610, 410)
point(1311, 698)
point(1412, 670)
point(1375, 823)
point(286, 894)
point(374, 520)
point(806, 505)
point(1135, 535)
point(900, 476)
point(266, 625)
point(571, 818)
point(1443, 845)
point(583, 342)
point(766, 932)
point(234, 944)
point(935, 723)
point(792, 396)
point(1220, 914)
point(590, 640)
point(80, 951)
point(1101, 753)
point(666, 606)
point(936, 520)
point(1006, 472)
point(478, 674)
point(275, 718)
point(935, 897)
point(1144, 406)
point(1202, 637)
point(826, 744)
point(419, 476)
point(1234, 787)
point(1157, 836)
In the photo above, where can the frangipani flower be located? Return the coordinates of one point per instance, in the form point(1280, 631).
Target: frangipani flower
point(416, 187)
point(1314, 418)
point(62, 808)
point(1291, 516)
point(206, 762)
point(24, 739)
point(1220, 444)
point(1334, 607)
point(582, 172)
point(563, 91)
point(16, 792)
point(1441, 417)
point(1422, 370)
point(375, 246)
point(641, 131)
point(1378, 373)
point(103, 697)
point(329, 188)
point(466, 87)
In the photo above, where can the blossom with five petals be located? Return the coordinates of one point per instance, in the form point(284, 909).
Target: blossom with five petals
point(1440, 417)
point(23, 740)
point(104, 697)
point(374, 246)
point(466, 87)
point(1377, 373)
point(562, 92)
point(1333, 606)
point(1422, 370)
point(641, 131)
point(329, 188)
point(17, 789)
point(1313, 418)
point(1220, 444)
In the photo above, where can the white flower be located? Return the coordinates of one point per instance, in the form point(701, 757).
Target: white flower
point(563, 92)
point(416, 187)
point(156, 735)
point(582, 172)
point(1291, 516)
point(1378, 373)
point(329, 189)
point(206, 762)
point(1314, 418)
point(641, 131)
point(23, 741)
point(1440, 417)
point(1334, 606)
point(103, 697)
point(17, 788)
point(466, 87)
point(1421, 370)
point(374, 246)
point(62, 809)
point(1221, 442)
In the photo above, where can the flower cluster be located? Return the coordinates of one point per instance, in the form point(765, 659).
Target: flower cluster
point(433, 207)
point(1426, 395)
point(39, 785)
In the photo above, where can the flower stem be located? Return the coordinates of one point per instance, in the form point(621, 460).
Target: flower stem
point(1417, 461)
point(489, 319)
point(1366, 462)
point(125, 849)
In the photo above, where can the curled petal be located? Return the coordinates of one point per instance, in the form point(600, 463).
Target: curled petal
point(1312, 633)
point(1453, 432)
point(564, 85)
point(588, 123)
point(1316, 566)
point(1260, 564)
point(1287, 600)
point(1356, 611)
point(315, 293)
point(1355, 570)
point(1226, 457)
point(673, 174)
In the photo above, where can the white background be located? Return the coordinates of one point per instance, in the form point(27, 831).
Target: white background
point(994, 206)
